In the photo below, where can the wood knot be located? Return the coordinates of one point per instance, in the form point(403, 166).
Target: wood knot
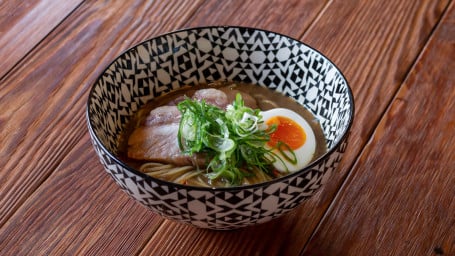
point(438, 251)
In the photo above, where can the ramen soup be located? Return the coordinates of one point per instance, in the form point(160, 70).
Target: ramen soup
point(221, 134)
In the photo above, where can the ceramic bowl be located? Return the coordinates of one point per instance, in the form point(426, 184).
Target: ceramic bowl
point(200, 55)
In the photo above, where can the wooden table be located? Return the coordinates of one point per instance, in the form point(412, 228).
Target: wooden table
point(393, 194)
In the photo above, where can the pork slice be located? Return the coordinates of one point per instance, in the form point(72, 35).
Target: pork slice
point(213, 97)
point(178, 99)
point(163, 115)
point(156, 139)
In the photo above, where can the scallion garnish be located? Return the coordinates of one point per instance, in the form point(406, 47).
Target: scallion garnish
point(231, 139)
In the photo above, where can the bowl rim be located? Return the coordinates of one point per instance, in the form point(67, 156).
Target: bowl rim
point(336, 145)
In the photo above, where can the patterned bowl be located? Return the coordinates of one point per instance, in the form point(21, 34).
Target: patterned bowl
point(201, 55)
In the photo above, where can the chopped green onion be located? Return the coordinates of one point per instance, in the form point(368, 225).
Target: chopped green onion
point(232, 139)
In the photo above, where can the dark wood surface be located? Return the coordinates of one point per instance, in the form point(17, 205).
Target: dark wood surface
point(394, 191)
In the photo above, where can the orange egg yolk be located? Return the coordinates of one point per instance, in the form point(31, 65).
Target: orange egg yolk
point(287, 131)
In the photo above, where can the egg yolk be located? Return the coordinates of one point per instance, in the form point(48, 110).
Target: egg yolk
point(287, 131)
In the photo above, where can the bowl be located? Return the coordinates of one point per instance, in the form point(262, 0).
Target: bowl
point(200, 55)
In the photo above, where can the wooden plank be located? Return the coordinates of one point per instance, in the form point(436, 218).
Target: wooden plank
point(44, 136)
point(24, 24)
point(291, 18)
point(375, 44)
point(399, 198)
point(78, 211)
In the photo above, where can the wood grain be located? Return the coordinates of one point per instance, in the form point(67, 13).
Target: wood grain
point(44, 114)
point(55, 198)
point(24, 24)
point(79, 205)
point(291, 17)
point(93, 31)
point(375, 63)
point(405, 205)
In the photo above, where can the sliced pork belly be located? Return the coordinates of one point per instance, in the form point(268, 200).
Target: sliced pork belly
point(213, 97)
point(163, 115)
point(223, 97)
point(156, 138)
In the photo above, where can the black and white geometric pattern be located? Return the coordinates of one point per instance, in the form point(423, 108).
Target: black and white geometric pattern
point(202, 55)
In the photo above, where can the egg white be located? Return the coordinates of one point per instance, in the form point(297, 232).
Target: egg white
point(304, 153)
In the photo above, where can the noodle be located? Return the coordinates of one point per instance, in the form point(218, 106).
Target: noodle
point(177, 174)
point(190, 176)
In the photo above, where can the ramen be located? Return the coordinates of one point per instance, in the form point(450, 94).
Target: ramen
point(221, 134)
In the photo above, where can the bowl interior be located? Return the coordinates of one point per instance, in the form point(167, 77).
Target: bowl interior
point(202, 55)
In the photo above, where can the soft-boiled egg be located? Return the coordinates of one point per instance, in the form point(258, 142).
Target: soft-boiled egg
point(294, 131)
